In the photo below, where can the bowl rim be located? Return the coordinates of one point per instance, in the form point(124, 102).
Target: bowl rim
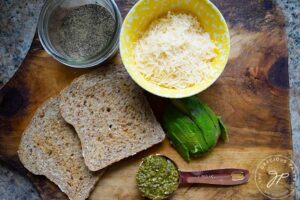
point(175, 93)
point(109, 51)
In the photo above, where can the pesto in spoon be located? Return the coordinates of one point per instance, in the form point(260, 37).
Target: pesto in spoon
point(158, 177)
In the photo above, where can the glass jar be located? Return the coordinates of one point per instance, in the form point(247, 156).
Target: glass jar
point(51, 19)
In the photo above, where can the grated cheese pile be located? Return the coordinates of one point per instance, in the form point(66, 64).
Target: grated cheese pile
point(175, 52)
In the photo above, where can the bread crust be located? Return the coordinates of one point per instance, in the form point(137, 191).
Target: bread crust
point(50, 147)
point(111, 116)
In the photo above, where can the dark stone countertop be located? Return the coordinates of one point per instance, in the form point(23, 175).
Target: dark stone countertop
point(291, 10)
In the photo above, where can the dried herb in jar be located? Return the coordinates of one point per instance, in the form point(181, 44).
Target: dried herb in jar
point(86, 31)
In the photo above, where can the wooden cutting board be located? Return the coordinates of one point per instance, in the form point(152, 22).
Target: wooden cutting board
point(251, 95)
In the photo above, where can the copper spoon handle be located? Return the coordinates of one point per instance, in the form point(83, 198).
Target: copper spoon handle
point(216, 177)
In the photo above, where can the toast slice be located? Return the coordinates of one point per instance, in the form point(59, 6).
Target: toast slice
point(111, 116)
point(50, 147)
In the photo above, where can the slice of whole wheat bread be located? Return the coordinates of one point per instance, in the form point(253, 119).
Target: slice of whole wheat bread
point(111, 116)
point(50, 147)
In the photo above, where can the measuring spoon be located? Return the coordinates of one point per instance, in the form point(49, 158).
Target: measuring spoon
point(222, 177)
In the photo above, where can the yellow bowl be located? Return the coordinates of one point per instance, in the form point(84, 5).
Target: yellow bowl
point(145, 11)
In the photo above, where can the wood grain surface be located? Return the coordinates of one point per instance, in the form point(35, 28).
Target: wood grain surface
point(251, 95)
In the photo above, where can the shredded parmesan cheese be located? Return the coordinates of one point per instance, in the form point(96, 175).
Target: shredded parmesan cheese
point(175, 52)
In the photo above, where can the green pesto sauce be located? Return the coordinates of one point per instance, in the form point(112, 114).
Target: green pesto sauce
point(157, 177)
